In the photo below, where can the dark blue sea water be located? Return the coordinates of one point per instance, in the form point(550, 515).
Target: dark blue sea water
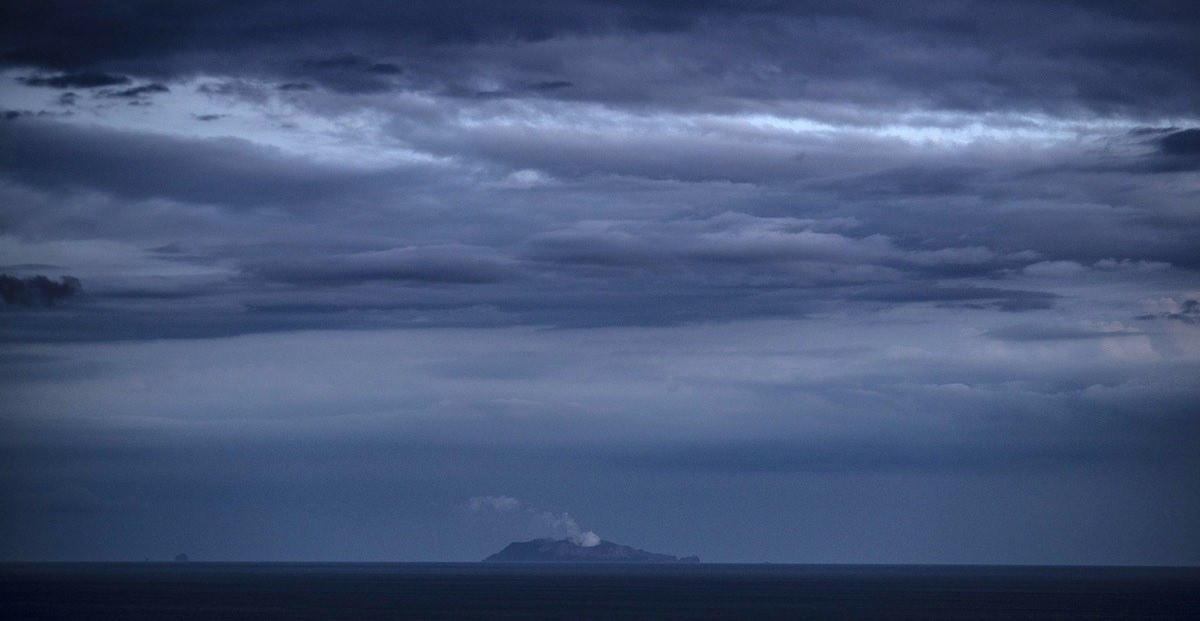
point(708, 591)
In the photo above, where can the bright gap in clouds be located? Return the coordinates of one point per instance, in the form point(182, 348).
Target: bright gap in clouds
point(364, 135)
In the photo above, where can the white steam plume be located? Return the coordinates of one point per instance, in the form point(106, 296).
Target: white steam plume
point(586, 540)
point(564, 523)
point(560, 524)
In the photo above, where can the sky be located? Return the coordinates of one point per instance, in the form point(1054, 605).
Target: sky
point(809, 282)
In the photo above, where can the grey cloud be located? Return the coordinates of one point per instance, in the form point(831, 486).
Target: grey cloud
point(1186, 310)
point(658, 303)
point(551, 85)
point(81, 79)
point(1010, 300)
point(1173, 151)
point(235, 87)
point(1182, 142)
point(346, 73)
point(1018, 55)
point(1178, 152)
point(1041, 332)
point(696, 257)
point(107, 33)
point(431, 264)
point(139, 91)
point(353, 63)
point(227, 171)
point(907, 182)
point(12, 115)
point(174, 321)
point(520, 89)
point(581, 152)
point(32, 267)
point(597, 248)
point(37, 291)
point(751, 249)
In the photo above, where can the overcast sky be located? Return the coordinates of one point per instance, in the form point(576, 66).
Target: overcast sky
point(797, 282)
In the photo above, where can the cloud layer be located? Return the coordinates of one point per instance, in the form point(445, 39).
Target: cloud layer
point(723, 269)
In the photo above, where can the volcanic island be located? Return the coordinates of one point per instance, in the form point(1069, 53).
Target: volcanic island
point(573, 551)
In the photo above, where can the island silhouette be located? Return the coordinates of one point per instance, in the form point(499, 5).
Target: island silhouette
point(573, 551)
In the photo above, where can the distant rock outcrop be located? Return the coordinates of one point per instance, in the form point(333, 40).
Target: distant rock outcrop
point(568, 551)
point(181, 558)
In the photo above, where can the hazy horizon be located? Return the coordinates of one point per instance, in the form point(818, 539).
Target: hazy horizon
point(810, 282)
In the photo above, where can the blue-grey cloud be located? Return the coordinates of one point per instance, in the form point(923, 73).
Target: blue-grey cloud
point(1012, 300)
point(227, 171)
point(433, 264)
point(1179, 151)
point(1182, 142)
point(82, 79)
point(139, 91)
point(1017, 55)
point(37, 291)
point(864, 268)
point(1055, 332)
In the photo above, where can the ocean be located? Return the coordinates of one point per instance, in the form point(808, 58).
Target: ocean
point(354, 591)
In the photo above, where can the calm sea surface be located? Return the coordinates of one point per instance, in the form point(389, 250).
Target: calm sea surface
point(708, 591)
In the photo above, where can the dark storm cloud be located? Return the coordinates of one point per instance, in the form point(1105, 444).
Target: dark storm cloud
point(139, 91)
point(347, 73)
point(82, 79)
point(1010, 55)
point(228, 171)
point(159, 39)
point(1156, 150)
point(12, 115)
point(37, 290)
point(122, 30)
point(353, 63)
point(1178, 151)
point(1184, 142)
